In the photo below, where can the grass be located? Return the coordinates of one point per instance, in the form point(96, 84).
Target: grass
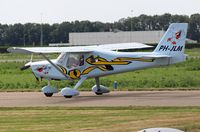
point(112, 119)
point(195, 52)
point(16, 56)
point(182, 76)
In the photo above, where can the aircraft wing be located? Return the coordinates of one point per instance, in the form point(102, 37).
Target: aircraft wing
point(48, 50)
point(118, 46)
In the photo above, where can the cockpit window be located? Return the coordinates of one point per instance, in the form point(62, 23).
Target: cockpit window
point(61, 58)
point(75, 60)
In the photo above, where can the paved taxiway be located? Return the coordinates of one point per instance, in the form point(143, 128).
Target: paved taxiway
point(122, 98)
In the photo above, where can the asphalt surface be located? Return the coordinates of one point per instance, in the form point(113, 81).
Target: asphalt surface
point(124, 98)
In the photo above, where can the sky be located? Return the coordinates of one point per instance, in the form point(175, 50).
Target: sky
point(58, 11)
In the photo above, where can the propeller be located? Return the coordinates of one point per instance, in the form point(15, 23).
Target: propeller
point(27, 65)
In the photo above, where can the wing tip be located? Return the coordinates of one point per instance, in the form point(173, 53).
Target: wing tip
point(18, 50)
point(11, 49)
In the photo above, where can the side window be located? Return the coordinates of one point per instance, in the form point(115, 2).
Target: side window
point(81, 60)
point(75, 60)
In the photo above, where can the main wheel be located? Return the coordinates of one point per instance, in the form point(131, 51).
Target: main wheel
point(48, 94)
point(68, 96)
point(97, 93)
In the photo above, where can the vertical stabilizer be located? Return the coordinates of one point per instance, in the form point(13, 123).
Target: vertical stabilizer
point(173, 42)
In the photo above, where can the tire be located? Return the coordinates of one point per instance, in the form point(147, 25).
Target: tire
point(48, 94)
point(68, 96)
point(97, 93)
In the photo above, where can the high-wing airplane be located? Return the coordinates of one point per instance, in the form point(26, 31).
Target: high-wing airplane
point(83, 62)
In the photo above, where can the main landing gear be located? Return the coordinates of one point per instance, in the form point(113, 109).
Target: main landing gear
point(99, 89)
point(70, 92)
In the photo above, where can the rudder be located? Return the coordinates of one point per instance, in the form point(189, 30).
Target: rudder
point(173, 42)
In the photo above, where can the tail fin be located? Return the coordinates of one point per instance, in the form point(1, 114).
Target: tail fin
point(173, 42)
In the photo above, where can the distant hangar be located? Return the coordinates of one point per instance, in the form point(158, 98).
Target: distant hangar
point(96, 38)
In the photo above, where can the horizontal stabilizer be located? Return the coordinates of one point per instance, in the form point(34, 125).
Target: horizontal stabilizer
point(155, 56)
point(123, 46)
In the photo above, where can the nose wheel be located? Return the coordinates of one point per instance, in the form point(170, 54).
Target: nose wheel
point(49, 90)
point(98, 93)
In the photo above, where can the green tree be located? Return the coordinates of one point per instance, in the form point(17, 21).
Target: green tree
point(194, 30)
point(30, 33)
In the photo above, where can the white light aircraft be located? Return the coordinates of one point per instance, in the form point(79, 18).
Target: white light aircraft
point(83, 62)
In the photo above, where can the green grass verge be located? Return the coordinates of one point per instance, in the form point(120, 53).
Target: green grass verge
point(16, 56)
point(112, 119)
point(182, 76)
point(195, 52)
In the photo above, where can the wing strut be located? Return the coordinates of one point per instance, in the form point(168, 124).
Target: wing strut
point(80, 82)
point(54, 65)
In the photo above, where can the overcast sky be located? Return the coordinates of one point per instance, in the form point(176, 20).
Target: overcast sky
point(57, 11)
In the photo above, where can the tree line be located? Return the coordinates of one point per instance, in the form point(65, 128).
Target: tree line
point(30, 33)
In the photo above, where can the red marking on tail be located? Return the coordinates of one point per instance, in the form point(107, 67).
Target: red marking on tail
point(169, 39)
point(178, 35)
point(174, 42)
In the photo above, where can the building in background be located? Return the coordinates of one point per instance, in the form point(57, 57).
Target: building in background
point(95, 38)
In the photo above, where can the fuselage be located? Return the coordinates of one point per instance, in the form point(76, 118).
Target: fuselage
point(96, 63)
